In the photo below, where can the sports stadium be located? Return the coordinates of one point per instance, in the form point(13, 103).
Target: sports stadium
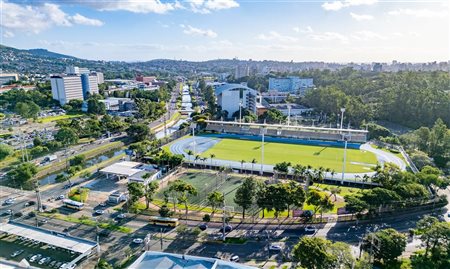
point(258, 147)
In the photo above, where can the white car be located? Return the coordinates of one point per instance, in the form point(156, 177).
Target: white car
point(138, 241)
point(9, 201)
point(275, 247)
point(43, 260)
point(310, 229)
point(63, 266)
point(36, 257)
point(99, 212)
point(234, 258)
point(121, 216)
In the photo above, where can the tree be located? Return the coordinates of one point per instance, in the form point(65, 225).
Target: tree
point(164, 211)
point(253, 164)
point(277, 198)
point(95, 106)
point(150, 190)
point(103, 264)
point(282, 167)
point(215, 199)
point(435, 236)
point(245, 194)
point(78, 160)
point(387, 245)
point(343, 254)
point(5, 151)
point(138, 132)
point(314, 198)
point(325, 205)
point(211, 156)
point(182, 189)
point(67, 136)
point(313, 253)
point(295, 195)
point(273, 115)
point(354, 204)
point(136, 191)
point(27, 109)
point(22, 173)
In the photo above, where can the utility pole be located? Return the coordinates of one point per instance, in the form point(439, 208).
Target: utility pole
point(240, 112)
point(38, 197)
point(161, 238)
point(223, 219)
point(165, 126)
point(289, 115)
point(193, 126)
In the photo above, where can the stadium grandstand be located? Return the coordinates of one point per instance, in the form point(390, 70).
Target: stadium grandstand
point(287, 131)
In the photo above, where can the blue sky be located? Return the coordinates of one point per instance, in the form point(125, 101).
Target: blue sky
point(140, 30)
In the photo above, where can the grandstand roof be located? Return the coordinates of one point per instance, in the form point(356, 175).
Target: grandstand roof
point(233, 86)
point(294, 127)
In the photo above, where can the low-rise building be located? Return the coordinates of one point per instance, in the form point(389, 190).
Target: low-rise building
point(132, 171)
point(8, 77)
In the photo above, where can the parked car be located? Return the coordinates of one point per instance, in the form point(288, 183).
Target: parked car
point(30, 203)
point(203, 226)
point(17, 253)
point(58, 264)
point(9, 201)
point(234, 258)
point(275, 247)
point(121, 216)
point(228, 228)
point(99, 212)
point(310, 229)
point(44, 260)
point(63, 266)
point(102, 204)
point(138, 240)
point(36, 258)
point(60, 197)
point(52, 264)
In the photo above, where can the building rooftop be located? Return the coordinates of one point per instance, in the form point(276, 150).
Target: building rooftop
point(233, 86)
point(48, 237)
point(125, 168)
point(162, 260)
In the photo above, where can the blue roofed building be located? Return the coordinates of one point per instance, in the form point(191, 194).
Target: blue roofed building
point(162, 260)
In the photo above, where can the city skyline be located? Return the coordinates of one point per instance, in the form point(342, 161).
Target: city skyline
point(330, 31)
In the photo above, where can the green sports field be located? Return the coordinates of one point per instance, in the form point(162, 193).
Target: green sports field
point(358, 161)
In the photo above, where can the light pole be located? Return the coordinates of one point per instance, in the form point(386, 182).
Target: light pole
point(289, 115)
point(263, 131)
point(193, 126)
point(345, 157)
point(240, 112)
point(342, 116)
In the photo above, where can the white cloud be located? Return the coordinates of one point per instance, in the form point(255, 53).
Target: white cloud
point(8, 34)
point(275, 36)
point(419, 13)
point(337, 5)
point(206, 6)
point(135, 6)
point(306, 30)
point(330, 36)
point(361, 17)
point(80, 19)
point(367, 35)
point(35, 19)
point(189, 30)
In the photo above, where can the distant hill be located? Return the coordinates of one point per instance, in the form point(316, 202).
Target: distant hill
point(49, 54)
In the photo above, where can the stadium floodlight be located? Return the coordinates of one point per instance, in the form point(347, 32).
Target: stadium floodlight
point(342, 116)
point(240, 111)
point(193, 126)
point(289, 115)
point(263, 132)
point(345, 157)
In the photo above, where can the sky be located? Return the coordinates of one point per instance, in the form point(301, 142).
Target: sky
point(141, 30)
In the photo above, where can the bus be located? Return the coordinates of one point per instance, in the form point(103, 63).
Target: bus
point(73, 204)
point(162, 221)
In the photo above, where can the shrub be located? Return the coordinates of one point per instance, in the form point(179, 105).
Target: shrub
point(207, 218)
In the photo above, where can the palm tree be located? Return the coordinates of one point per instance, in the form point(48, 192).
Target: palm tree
point(332, 174)
point(253, 164)
point(190, 153)
point(212, 155)
point(242, 165)
point(204, 161)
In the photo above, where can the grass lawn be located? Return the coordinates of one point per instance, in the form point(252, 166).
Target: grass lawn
point(79, 194)
point(59, 117)
point(206, 182)
point(316, 156)
point(89, 222)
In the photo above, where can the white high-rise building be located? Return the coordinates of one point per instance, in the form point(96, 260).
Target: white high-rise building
point(100, 78)
point(75, 70)
point(89, 84)
point(66, 88)
point(233, 96)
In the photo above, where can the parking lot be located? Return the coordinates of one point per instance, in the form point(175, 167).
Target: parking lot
point(9, 244)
